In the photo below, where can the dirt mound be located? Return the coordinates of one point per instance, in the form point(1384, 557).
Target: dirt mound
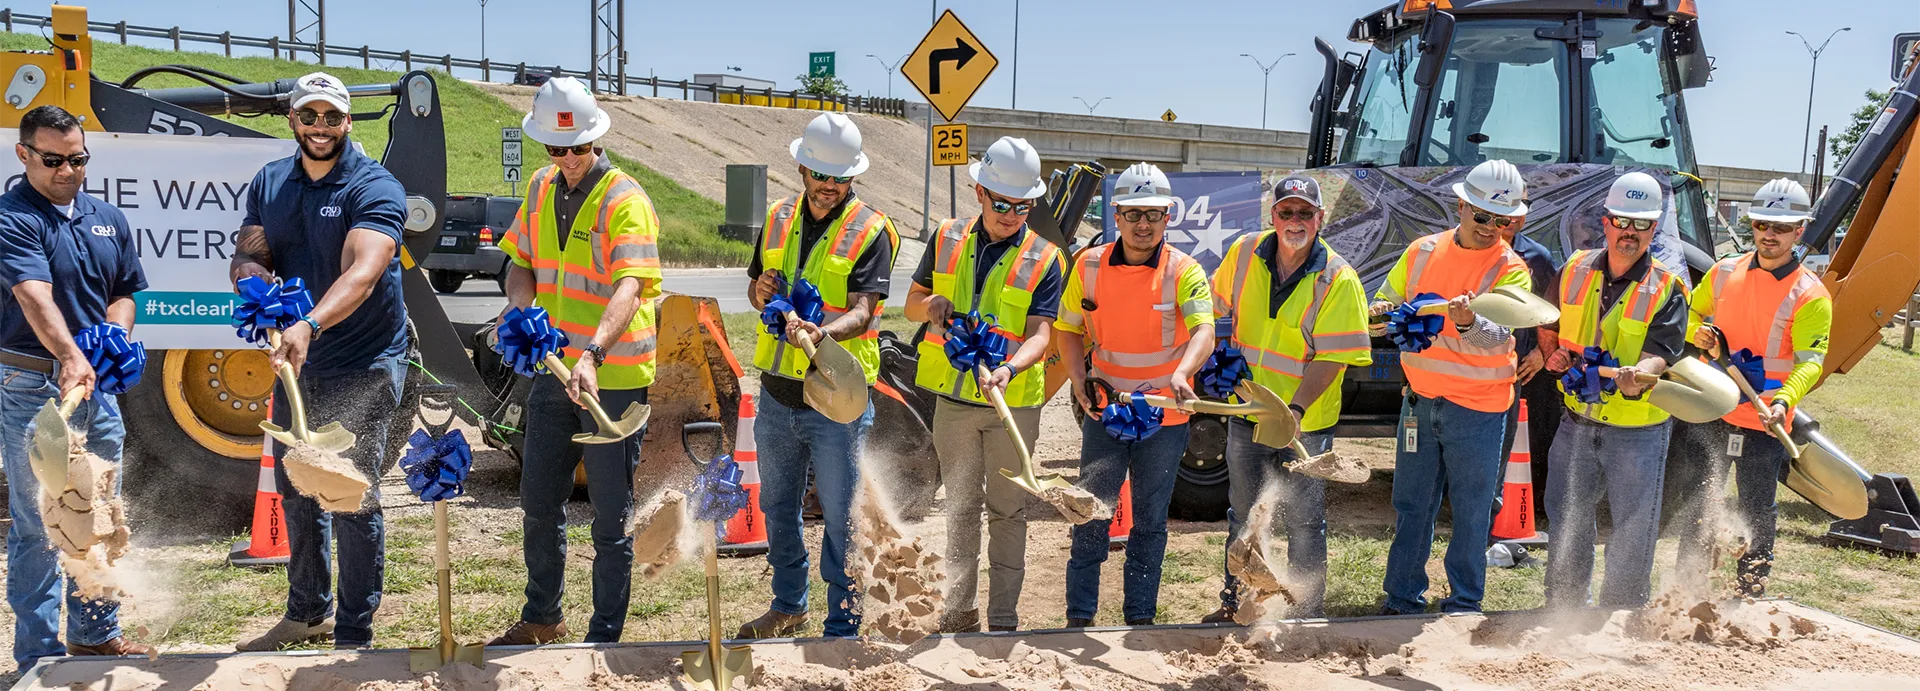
point(87, 522)
point(658, 529)
point(901, 577)
point(1250, 558)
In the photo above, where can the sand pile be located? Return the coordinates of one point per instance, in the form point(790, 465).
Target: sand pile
point(329, 478)
point(901, 578)
point(657, 532)
point(1250, 558)
point(1739, 623)
point(87, 522)
point(1332, 467)
point(1077, 505)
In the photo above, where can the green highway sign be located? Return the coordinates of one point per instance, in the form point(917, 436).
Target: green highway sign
point(820, 64)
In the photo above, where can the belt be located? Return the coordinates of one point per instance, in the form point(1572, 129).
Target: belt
point(26, 362)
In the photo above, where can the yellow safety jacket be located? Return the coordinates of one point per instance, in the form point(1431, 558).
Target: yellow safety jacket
point(1006, 295)
point(1622, 331)
point(615, 241)
point(827, 267)
point(1327, 321)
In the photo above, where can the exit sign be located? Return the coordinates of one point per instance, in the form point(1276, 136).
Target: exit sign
point(820, 64)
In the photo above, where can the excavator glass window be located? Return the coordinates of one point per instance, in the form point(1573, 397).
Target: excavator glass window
point(1500, 96)
point(1634, 112)
point(1385, 103)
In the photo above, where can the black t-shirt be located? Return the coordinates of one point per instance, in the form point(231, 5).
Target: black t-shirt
point(1046, 295)
point(1666, 333)
point(872, 273)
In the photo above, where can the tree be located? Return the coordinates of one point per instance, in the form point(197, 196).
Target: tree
point(825, 85)
point(1842, 144)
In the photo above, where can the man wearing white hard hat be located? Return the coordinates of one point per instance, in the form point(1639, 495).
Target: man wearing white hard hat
point(1621, 308)
point(992, 270)
point(1459, 388)
point(1139, 314)
point(1776, 316)
point(583, 248)
point(830, 244)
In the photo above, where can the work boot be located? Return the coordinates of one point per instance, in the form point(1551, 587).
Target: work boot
point(1140, 622)
point(1078, 623)
point(1224, 615)
point(960, 622)
point(525, 632)
point(996, 628)
point(288, 633)
point(1386, 611)
point(116, 646)
point(773, 624)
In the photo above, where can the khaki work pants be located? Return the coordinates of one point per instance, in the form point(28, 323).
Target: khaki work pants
point(973, 447)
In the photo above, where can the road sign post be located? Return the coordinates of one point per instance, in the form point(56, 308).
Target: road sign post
point(949, 65)
point(950, 145)
point(510, 158)
point(820, 64)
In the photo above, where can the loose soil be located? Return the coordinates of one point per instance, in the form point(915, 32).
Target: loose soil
point(331, 479)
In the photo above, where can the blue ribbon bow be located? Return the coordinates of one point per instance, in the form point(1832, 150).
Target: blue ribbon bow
point(437, 466)
point(117, 362)
point(1411, 331)
point(971, 341)
point(717, 493)
point(1583, 380)
point(1225, 369)
point(1754, 368)
point(1132, 420)
point(527, 337)
point(263, 305)
point(804, 301)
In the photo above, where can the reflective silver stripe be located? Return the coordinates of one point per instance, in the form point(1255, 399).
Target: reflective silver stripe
point(1274, 362)
point(952, 233)
point(1804, 356)
point(547, 276)
point(1090, 270)
point(1032, 262)
point(1644, 308)
point(1154, 359)
point(1321, 284)
point(1169, 291)
point(266, 479)
point(1422, 251)
point(1125, 385)
point(587, 285)
point(1247, 247)
point(1782, 315)
point(598, 245)
point(1574, 292)
point(632, 348)
point(635, 250)
point(1195, 306)
point(1455, 369)
point(1390, 295)
point(854, 228)
point(1722, 271)
point(1493, 275)
point(1343, 342)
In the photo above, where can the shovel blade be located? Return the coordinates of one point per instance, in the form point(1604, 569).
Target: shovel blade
point(837, 386)
point(332, 438)
point(279, 433)
point(1695, 391)
point(1829, 482)
point(701, 670)
point(1276, 426)
point(1514, 308)
point(50, 447)
point(629, 422)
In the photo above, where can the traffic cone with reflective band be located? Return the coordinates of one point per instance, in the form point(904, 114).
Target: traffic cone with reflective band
point(747, 530)
point(1122, 522)
point(1515, 522)
point(267, 542)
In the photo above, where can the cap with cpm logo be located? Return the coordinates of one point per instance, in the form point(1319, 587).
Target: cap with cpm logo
point(320, 86)
point(1298, 187)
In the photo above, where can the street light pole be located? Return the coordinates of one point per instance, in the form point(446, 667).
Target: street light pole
point(1266, 80)
point(1014, 96)
point(483, 29)
point(890, 69)
point(1813, 74)
point(1093, 105)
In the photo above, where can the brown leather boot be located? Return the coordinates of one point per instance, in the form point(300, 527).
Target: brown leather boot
point(960, 622)
point(773, 624)
point(116, 646)
point(1224, 615)
point(528, 633)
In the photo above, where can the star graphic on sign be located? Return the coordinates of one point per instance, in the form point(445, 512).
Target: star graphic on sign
point(1211, 238)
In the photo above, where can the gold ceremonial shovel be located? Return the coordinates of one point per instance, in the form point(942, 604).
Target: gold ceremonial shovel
point(52, 442)
point(1830, 483)
point(718, 665)
point(428, 659)
point(837, 386)
point(1275, 428)
point(331, 437)
point(611, 430)
point(1026, 478)
point(1690, 390)
point(1507, 306)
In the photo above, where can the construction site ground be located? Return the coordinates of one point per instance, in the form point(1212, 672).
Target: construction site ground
point(186, 600)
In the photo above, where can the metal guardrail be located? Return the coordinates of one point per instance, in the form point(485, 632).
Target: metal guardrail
point(521, 72)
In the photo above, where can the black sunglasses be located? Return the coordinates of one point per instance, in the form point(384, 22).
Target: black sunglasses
point(1002, 206)
point(823, 177)
point(1138, 215)
point(1758, 226)
point(308, 116)
point(577, 150)
point(1631, 223)
point(78, 160)
point(1497, 221)
point(1289, 214)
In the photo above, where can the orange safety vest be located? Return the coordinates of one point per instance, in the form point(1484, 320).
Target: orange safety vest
point(1756, 312)
point(1473, 377)
point(1135, 332)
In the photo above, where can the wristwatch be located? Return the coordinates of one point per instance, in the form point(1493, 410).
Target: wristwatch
point(315, 323)
point(599, 354)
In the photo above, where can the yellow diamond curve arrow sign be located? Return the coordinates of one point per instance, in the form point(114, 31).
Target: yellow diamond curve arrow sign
point(949, 65)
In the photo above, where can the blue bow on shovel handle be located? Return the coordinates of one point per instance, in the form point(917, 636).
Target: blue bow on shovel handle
point(1414, 325)
point(972, 341)
point(1225, 369)
point(117, 362)
point(1584, 379)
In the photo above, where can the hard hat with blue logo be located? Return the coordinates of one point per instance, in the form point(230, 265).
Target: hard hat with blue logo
point(1142, 185)
point(1781, 201)
point(1495, 187)
point(1635, 195)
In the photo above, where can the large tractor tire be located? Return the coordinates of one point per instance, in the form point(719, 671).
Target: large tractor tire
point(193, 441)
point(1200, 487)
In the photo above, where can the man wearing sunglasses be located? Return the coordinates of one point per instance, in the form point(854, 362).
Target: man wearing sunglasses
point(1299, 315)
point(332, 217)
point(1776, 315)
point(1459, 389)
point(583, 248)
point(995, 266)
point(1140, 314)
point(1613, 443)
point(67, 262)
point(844, 248)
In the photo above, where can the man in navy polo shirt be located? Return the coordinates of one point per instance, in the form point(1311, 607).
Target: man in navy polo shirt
point(1541, 392)
point(331, 217)
point(67, 262)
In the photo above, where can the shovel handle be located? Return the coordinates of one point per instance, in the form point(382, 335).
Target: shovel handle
point(1778, 430)
point(555, 366)
point(1205, 406)
point(806, 344)
point(295, 403)
point(1006, 420)
point(1642, 377)
point(70, 401)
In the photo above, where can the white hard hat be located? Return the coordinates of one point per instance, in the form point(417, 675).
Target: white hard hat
point(1781, 201)
point(565, 114)
point(1010, 168)
point(1142, 185)
point(831, 146)
point(1496, 187)
point(1634, 195)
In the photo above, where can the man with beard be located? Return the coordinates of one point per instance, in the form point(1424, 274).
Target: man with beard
point(332, 217)
point(844, 248)
point(1299, 315)
point(1458, 391)
point(1621, 305)
point(1776, 315)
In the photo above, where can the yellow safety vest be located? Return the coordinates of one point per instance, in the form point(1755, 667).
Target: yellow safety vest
point(1006, 295)
point(574, 284)
point(1622, 331)
point(827, 267)
point(1279, 347)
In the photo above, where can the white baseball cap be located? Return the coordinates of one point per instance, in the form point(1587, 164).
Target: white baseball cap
point(321, 86)
point(1634, 195)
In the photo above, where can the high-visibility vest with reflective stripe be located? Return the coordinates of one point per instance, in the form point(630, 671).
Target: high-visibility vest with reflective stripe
point(1621, 331)
point(1006, 295)
point(1278, 347)
point(1135, 331)
point(575, 284)
point(1471, 376)
point(827, 267)
point(1756, 311)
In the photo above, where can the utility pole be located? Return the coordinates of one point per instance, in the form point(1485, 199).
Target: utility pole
point(1093, 105)
point(1806, 135)
point(926, 193)
point(1014, 99)
point(1266, 80)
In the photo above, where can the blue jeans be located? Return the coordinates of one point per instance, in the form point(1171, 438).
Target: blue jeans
point(1627, 465)
point(1303, 510)
point(367, 403)
point(34, 580)
point(1105, 463)
point(546, 480)
point(791, 441)
point(1445, 450)
point(1757, 471)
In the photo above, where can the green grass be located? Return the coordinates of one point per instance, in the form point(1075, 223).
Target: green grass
point(473, 118)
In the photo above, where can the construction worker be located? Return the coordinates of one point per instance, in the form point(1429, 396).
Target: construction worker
point(1141, 313)
point(583, 249)
point(1300, 317)
point(1777, 311)
point(995, 266)
point(332, 217)
point(844, 248)
point(67, 261)
point(1458, 392)
point(1540, 392)
point(1625, 306)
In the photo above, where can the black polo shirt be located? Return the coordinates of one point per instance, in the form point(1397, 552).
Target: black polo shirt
point(1269, 251)
point(1666, 332)
point(986, 253)
point(567, 199)
point(872, 273)
point(89, 259)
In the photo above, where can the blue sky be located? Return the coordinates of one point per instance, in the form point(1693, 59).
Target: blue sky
point(1146, 57)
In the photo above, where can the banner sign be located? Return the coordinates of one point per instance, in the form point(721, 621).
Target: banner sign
point(1209, 211)
point(185, 198)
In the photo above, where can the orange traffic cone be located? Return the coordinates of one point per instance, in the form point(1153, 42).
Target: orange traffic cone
point(1515, 521)
point(267, 543)
point(747, 530)
point(1122, 522)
